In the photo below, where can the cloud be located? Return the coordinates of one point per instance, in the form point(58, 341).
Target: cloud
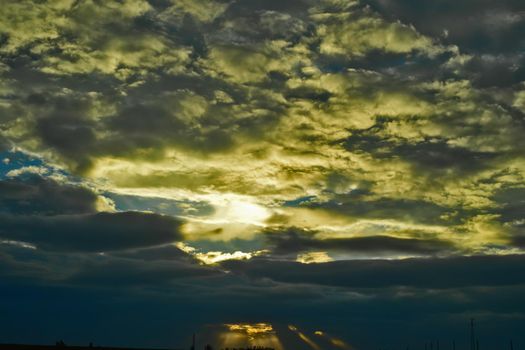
point(45, 196)
point(313, 257)
point(510, 213)
point(357, 33)
point(91, 232)
point(485, 26)
point(435, 156)
point(385, 124)
point(155, 268)
point(362, 158)
point(435, 273)
point(169, 252)
point(111, 272)
point(65, 217)
point(296, 241)
point(174, 100)
point(362, 206)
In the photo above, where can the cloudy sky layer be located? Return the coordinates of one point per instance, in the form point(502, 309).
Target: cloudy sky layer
point(295, 173)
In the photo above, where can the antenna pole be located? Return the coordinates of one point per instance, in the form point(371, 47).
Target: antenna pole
point(472, 341)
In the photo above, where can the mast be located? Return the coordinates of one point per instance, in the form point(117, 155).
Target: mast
point(472, 339)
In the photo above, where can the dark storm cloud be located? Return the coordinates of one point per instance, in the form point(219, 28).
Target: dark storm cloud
point(124, 290)
point(246, 25)
point(146, 126)
point(497, 70)
point(310, 94)
point(68, 136)
point(491, 31)
point(433, 156)
point(294, 7)
point(477, 26)
point(64, 217)
point(113, 270)
point(39, 195)
point(360, 203)
point(20, 263)
point(61, 121)
point(116, 272)
point(427, 317)
point(511, 203)
point(91, 232)
point(510, 211)
point(155, 126)
point(167, 252)
point(294, 240)
point(422, 273)
point(518, 238)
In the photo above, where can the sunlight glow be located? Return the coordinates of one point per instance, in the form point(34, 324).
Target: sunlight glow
point(213, 257)
point(304, 338)
point(243, 211)
point(334, 341)
point(250, 334)
point(252, 330)
point(314, 258)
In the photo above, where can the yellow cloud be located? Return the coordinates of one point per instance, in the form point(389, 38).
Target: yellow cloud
point(314, 257)
point(203, 10)
point(26, 22)
point(214, 257)
point(262, 119)
point(355, 34)
point(243, 64)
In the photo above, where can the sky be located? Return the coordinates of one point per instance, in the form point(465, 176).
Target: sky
point(299, 174)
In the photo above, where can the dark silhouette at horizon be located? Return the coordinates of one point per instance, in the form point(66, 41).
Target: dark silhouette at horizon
point(474, 344)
